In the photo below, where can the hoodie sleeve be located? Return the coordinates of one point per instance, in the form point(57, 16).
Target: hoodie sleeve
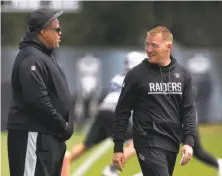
point(189, 112)
point(123, 110)
point(33, 76)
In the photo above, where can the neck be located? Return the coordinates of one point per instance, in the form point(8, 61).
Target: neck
point(166, 61)
point(43, 41)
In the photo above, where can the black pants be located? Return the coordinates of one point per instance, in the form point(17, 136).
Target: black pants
point(102, 128)
point(156, 161)
point(202, 155)
point(34, 154)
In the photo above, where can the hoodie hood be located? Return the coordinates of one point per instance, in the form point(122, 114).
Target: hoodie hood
point(30, 39)
point(168, 67)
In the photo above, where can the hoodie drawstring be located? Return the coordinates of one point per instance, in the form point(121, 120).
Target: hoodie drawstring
point(164, 91)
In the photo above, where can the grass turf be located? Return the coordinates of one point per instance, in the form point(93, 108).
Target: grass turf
point(211, 138)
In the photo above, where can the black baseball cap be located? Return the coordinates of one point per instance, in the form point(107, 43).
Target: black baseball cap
point(41, 18)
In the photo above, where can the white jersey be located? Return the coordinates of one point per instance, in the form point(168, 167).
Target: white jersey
point(111, 99)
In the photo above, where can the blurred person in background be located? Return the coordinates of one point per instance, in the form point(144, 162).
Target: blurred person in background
point(160, 93)
point(102, 126)
point(199, 67)
point(41, 113)
point(88, 81)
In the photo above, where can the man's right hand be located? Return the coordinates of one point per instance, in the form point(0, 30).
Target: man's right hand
point(67, 133)
point(119, 160)
point(187, 153)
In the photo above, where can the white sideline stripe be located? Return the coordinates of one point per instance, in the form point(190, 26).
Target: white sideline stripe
point(30, 157)
point(93, 157)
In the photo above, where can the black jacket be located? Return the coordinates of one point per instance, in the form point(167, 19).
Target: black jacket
point(163, 102)
point(41, 100)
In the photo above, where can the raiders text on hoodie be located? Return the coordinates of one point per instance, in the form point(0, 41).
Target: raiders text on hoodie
point(41, 100)
point(163, 102)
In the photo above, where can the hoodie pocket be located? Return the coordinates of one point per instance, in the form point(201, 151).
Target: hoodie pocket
point(142, 128)
point(168, 128)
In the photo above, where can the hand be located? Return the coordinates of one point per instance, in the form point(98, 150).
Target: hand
point(68, 132)
point(119, 160)
point(187, 153)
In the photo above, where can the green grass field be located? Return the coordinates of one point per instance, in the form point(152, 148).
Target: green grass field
point(211, 137)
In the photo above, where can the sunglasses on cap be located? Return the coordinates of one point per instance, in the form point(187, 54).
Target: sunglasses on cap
point(58, 30)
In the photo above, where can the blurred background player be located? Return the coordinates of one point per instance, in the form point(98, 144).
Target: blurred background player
point(102, 126)
point(200, 67)
point(88, 89)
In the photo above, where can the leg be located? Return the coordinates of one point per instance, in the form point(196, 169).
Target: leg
point(17, 146)
point(59, 160)
point(97, 133)
point(171, 157)
point(100, 130)
point(129, 151)
point(33, 154)
point(66, 164)
point(153, 161)
point(50, 153)
point(202, 155)
point(77, 151)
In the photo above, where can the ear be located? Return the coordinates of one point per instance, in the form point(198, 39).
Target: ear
point(43, 33)
point(169, 46)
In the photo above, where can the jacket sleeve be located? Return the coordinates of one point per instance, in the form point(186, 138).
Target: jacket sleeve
point(33, 76)
point(189, 112)
point(123, 110)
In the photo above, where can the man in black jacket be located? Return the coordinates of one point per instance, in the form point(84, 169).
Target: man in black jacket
point(41, 116)
point(161, 95)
